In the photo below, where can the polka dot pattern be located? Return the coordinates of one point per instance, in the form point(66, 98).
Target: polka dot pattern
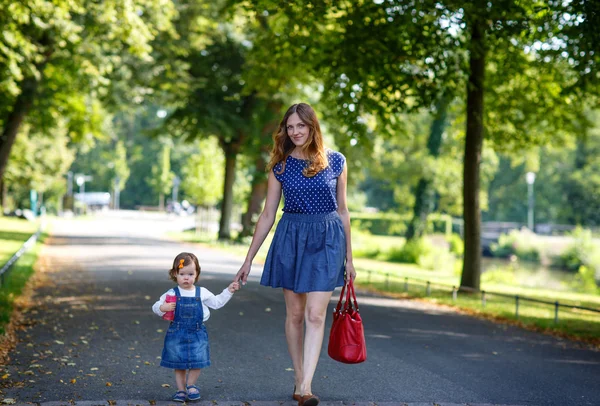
point(310, 195)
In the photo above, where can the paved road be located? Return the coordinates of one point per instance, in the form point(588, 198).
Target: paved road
point(92, 338)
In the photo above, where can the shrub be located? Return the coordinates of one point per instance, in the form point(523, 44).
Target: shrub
point(521, 243)
point(410, 252)
point(457, 245)
point(581, 253)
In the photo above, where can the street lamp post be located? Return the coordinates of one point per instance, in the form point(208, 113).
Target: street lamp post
point(530, 177)
point(80, 179)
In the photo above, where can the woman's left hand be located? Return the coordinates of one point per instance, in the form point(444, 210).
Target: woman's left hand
point(350, 271)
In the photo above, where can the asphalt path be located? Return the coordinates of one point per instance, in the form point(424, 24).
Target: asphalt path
point(91, 337)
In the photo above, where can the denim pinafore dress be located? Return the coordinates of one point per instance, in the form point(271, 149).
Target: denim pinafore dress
point(186, 342)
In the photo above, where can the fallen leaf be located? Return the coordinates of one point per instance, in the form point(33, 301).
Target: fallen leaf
point(59, 342)
point(108, 384)
point(165, 385)
point(136, 322)
point(9, 401)
point(289, 369)
point(147, 297)
point(241, 313)
point(268, 309)
point(160, 330)
point(5, 376)
point(93, 369)
point(146, 363)
point(73, 380)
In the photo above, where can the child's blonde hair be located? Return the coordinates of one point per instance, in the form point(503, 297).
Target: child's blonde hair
point(181, 260)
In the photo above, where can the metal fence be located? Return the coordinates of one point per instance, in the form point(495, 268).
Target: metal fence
point(483, 294)
point(6, 267)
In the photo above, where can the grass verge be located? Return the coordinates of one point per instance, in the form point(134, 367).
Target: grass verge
point(13, 233)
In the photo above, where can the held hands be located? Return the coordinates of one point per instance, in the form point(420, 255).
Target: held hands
point(242, 275)
point(233, 286)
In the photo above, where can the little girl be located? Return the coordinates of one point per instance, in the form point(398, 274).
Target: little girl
point(186, 342)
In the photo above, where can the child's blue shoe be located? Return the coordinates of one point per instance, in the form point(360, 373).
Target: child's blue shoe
point(179, 396)
point(193, 392)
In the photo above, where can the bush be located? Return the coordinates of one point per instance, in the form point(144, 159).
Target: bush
point(457, 245)
point(410, 252)
point(379, 223)
point(585, 280)
point(521, 243)
point(581, 253)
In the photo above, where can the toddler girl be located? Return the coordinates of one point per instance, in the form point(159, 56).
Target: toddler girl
point(186, 346)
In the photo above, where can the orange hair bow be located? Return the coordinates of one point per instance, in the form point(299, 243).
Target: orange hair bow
point(181, 261)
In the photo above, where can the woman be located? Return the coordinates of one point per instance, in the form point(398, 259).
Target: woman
point(311, 247)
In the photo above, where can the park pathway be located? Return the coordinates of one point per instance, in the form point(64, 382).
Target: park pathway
point(92, 338)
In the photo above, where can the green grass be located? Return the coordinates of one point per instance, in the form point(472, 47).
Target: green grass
point(373, 273)
point(13, 233)
point(571, 322)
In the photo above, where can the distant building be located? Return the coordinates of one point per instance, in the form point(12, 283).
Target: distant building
point(94, 200)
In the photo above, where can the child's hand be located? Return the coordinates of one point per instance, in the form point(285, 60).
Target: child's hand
point(167, 307)
point(233, 286)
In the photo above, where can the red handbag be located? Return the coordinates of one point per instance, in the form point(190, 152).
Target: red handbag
point(347, 336)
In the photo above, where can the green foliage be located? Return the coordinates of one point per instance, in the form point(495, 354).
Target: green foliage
point(380, 223)
point(38, 163)
point(456, 245)
point(521, 243)
point(161, 177)
point(583, 252)
point(585, 280)
point(203, 173)
point(410, 252)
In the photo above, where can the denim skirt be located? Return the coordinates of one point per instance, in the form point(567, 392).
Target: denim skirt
point(307, 254)
point(186, 346)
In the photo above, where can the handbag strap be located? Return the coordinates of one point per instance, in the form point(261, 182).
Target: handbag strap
point(349, 292)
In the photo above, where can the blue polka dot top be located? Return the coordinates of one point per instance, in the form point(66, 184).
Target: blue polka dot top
point(310, 195)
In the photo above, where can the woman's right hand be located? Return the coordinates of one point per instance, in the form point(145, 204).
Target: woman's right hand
point(242, 275)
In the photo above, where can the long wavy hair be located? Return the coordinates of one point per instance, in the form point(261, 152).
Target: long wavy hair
point(313, 147)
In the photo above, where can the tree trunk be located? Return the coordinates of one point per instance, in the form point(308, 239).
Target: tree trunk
point(2, 197)
point(257, 196)
point(14, 120)
point(471, 273)
point(231, 151)
point(260, 178)
point(424, 194)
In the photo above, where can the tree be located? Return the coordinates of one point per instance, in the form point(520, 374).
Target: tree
point(60, 53)
point(161, 178)
point(383, 57)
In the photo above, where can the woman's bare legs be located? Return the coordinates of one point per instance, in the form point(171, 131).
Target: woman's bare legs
point(295, 304)
point(315, 313)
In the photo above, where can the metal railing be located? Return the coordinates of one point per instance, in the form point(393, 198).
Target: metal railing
point(6, 267)
point(484, 294)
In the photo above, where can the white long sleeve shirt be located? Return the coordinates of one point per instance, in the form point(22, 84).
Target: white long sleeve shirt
point(208, 300)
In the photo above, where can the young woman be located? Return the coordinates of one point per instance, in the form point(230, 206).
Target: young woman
point(311, 252)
